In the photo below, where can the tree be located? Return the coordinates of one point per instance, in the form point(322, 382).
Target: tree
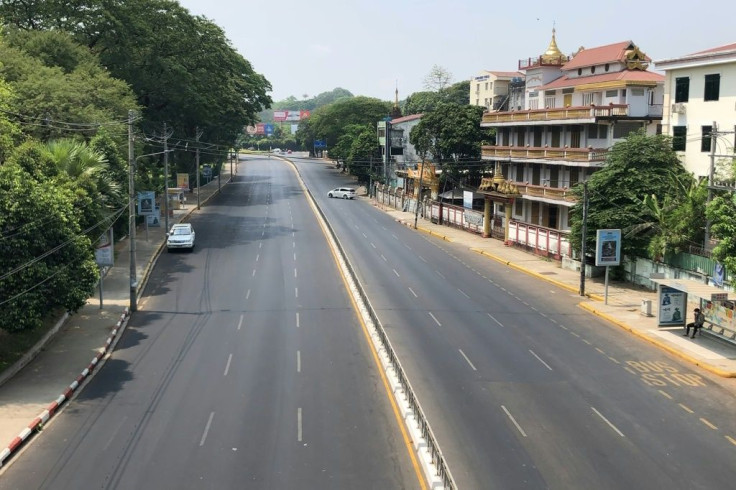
point(638, 166)
point(722, 213)
point(47, 261)
point(421, 102)
point(450, 135)
point(363, 152)
point(437, 79)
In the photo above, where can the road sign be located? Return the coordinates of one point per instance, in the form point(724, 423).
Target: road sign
point(320, 144)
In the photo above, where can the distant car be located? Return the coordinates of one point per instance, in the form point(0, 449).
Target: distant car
point(276, 150)
point(181, 236)
point(343, 192)
point(288, 151)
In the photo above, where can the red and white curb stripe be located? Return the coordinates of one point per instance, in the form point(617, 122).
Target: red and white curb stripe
point(37, 424)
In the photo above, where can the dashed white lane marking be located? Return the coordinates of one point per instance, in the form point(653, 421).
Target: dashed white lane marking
point(422, 258)
point(466, 358)
point(295, 275)
point(397, 274)
point(299, 424)
point(434, 318)
point(260, 244)
point(247, 295)
point(297, 320)
point(298, 361)
point(395, 237)
point(295, 256)
point(384, 258)
point(206, 429)
point(373, 245)
point(705, 421)
point(258, 257)
point(412, 292)
point(240, 323)
point(296, 292)
point(254, 273)
point(608, 422)
point(227, 366)
point(463, 293)
point(511, 417)
point(293, 244)
point(492, 318)
point(665, 394)
point(440, 274)
point(365, 236)
point(540, 359)
point(407, 246)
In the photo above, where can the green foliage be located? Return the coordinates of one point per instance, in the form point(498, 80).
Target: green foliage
point(329, 122)
point(10, 132)
point(79, 90)
point(637, 167)
point(364, 152)
point(450, 135)
point(306, 104)
point(722, 212)
point(423, 102)
point(46, 261)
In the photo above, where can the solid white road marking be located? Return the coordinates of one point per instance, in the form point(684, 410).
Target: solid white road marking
point(299, 424)
point(491, 316)
point(412, 292)
point(206, 429)
point(463, 293)
point(434, 318)
point(518, 427)
point(540, 360)
point(466, 358)
point(227, 367)
point(240, 323)
point(608, 422)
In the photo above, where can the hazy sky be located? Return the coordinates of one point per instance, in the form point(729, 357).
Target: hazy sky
point(366, 47)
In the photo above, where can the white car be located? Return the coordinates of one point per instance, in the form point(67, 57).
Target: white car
point(343, 192)
point(181, 236)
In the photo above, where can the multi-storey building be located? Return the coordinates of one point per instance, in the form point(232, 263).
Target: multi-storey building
point(491, 89)
point(573, 110)
point(698, 91)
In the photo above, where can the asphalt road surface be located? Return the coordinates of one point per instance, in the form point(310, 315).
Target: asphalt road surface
point(522, 388)
point(245, 367)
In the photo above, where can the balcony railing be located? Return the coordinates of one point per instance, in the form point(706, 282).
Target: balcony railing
point(570, 154)
point(555, 193)
point(559, 113)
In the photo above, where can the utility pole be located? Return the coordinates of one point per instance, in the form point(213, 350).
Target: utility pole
point(196, 159)
point(711, 173)
point(583, 238)
point(419, 195)
point(131, 217)
point(166, 180)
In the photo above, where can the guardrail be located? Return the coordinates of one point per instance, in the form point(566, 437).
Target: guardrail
point(432, 445)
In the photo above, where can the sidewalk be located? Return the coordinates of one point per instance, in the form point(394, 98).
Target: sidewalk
point(33, 394)
point(624, 301)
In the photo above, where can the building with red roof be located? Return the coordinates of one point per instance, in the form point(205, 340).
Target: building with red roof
point(572, 109)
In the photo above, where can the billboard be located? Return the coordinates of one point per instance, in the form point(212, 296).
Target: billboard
point(104, 251)
point(261, 128)
point(146, 202)
point(279, 116)
point(182, 181)
point(292, 116)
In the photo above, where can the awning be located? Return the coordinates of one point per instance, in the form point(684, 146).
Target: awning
point(692, 287)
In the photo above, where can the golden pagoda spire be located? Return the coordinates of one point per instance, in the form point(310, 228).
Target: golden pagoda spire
point(553, 53)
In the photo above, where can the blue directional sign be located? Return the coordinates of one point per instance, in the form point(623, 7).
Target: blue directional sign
point(268, 129)
point(320, 144)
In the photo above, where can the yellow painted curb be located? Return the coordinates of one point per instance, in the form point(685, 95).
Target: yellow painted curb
point(708, 367)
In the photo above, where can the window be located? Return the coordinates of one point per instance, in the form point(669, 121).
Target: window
point(682, 89)
point(705, 138)
point(592, 69)
point(637, 92)
point(607, 66)
point(568, 90)
point(518, 207)
point(712, 87)
point(679, 138)
point(486, 85)
point(623, 129)
point(580, 71)
point(588, 98)
point(611, 93)
point(623, 95)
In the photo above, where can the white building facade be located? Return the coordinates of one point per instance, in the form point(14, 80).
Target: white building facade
point(490, 89)
point(700, 90)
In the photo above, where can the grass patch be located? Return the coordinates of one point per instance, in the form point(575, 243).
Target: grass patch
point(14, 345)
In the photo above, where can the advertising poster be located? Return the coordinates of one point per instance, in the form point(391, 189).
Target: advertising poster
point(607, 247)
point(146, 202)
point(154, 219)
point(672, 303)
point(468, 199)
point(720, 313)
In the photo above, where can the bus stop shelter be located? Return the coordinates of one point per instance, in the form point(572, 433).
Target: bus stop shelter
point(673, 297)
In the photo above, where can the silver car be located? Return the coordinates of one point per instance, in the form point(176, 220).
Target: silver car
point(343, 192)
point(181, 236)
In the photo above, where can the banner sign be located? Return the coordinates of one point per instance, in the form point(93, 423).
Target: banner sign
point(281, 116)
point(104, 251)
point(268, 129)
point(182, 181)
point(320, 144)
point(146, 202)
point(261, 128)
point(607, 247)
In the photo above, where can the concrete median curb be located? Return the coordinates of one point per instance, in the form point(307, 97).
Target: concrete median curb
point(652, 340)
